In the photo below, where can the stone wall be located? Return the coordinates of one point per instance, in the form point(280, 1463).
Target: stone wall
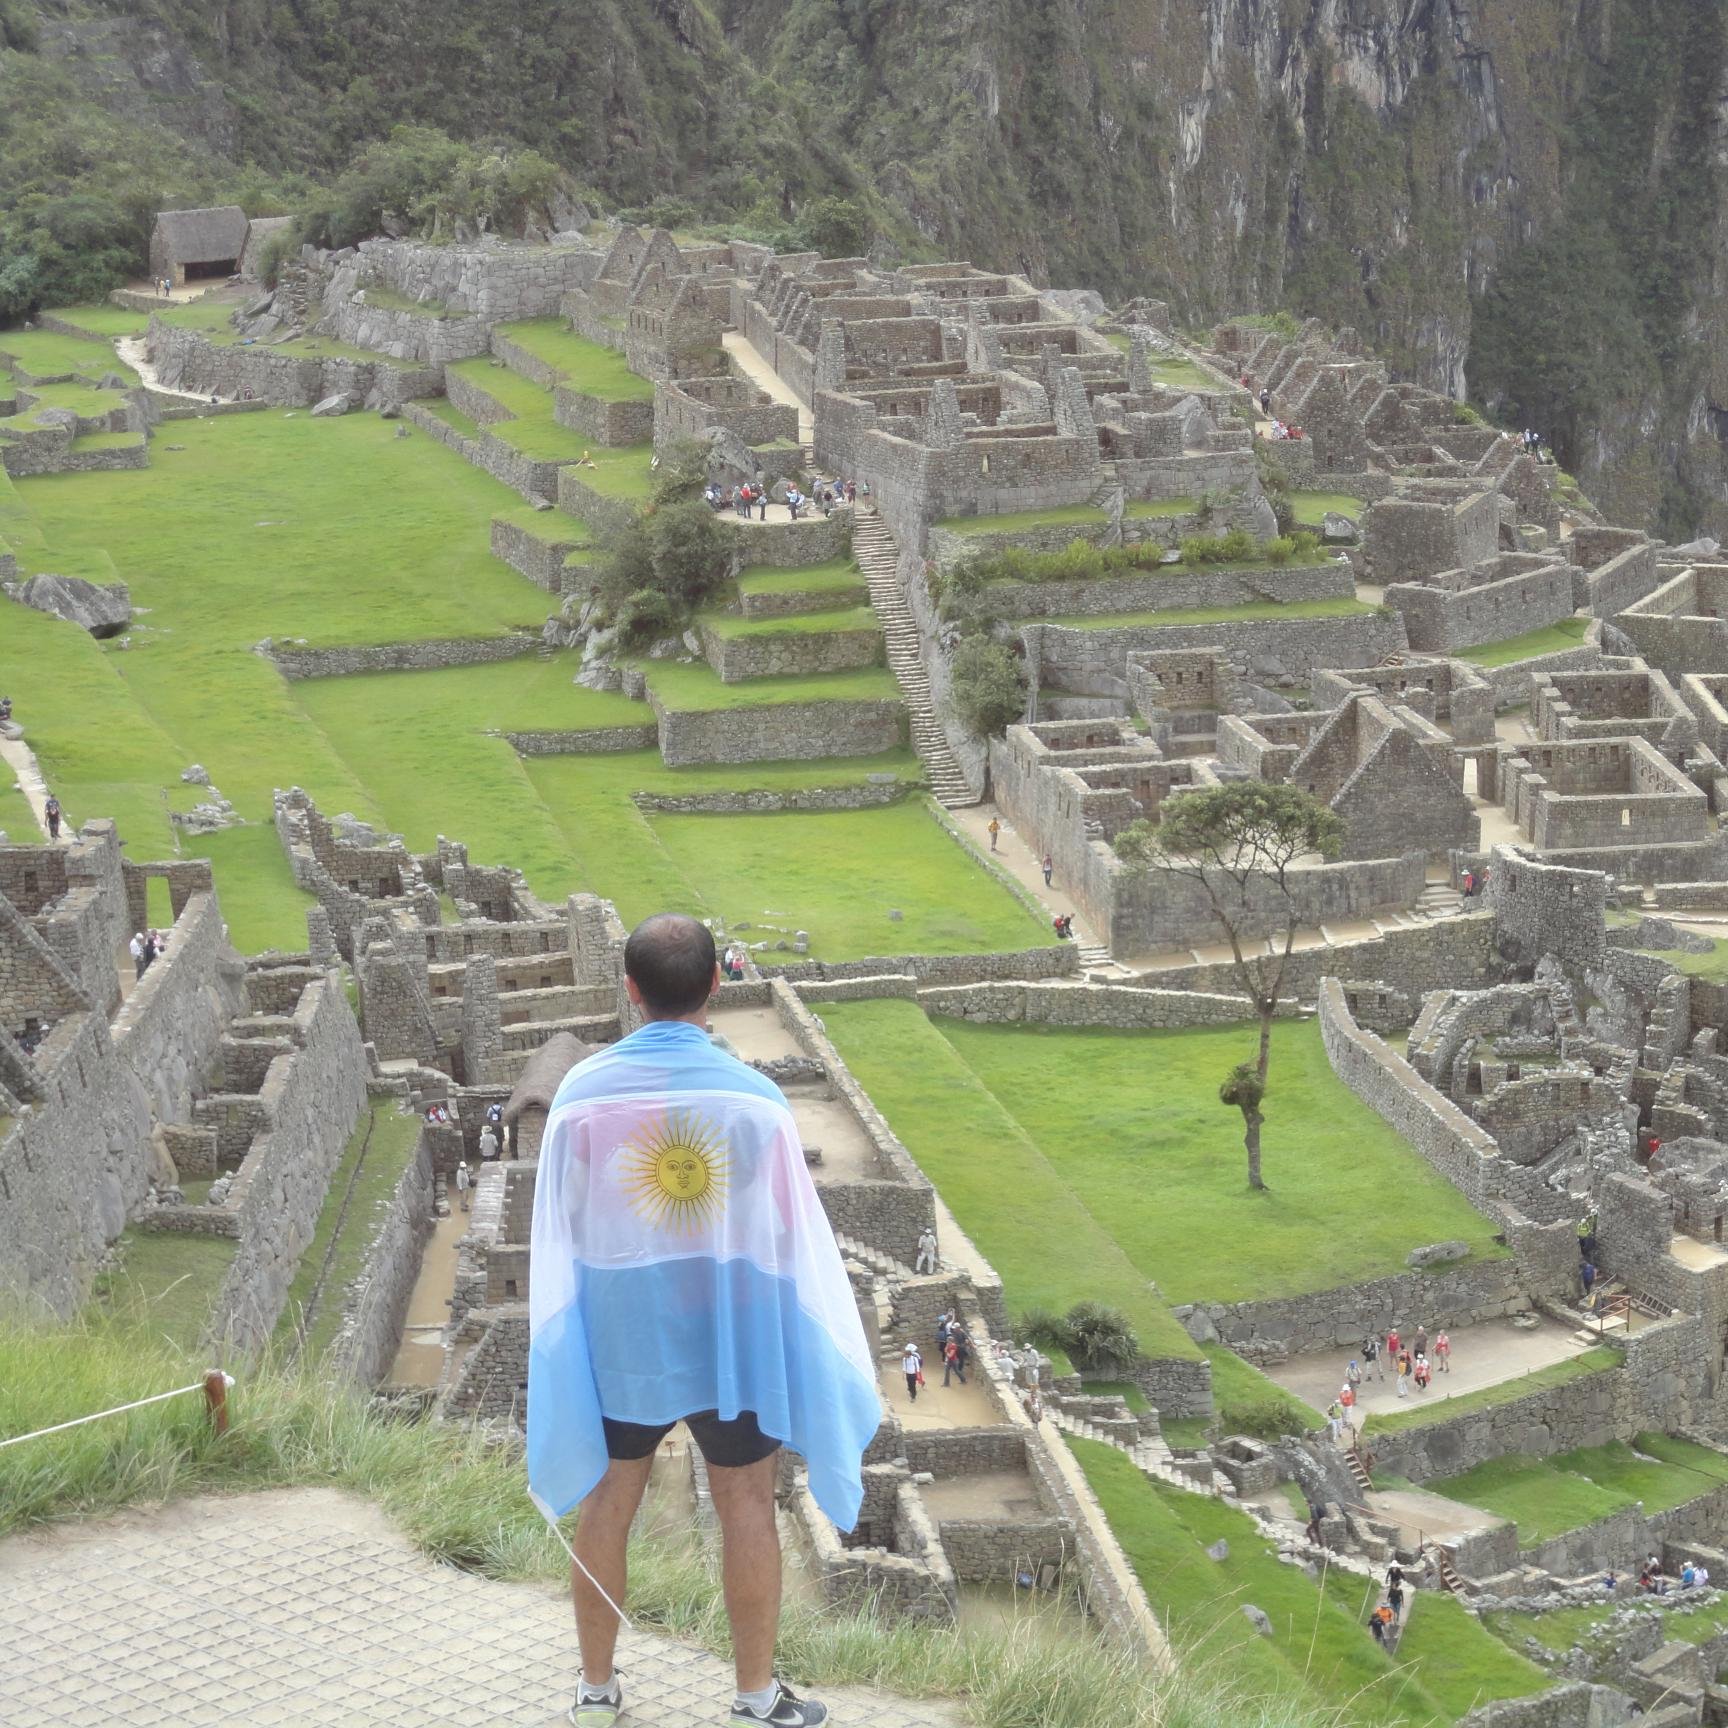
point(377, 1302)
point(1118, 1005)
point(858, 980)
point(541, 561)
point(295, 663)
point(311, 1099)
point(186, 360)
point(812, 539)
point(790, 652)
point(597, 417)
point(594, 741)
point(170, 1028)
point(1093, 662)
point(1168, 591)
point(786, 731)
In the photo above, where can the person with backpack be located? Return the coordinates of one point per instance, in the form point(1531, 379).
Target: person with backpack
point(1347, 1399)
point(912, 1365)
point(51, 815)
point(952, 1364)
point(1371, 1357)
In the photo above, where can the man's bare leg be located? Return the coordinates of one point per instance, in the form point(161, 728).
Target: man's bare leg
point(750, 1570)
point(602, 1535)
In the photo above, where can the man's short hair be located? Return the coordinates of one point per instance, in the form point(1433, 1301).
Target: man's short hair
point(670, 958)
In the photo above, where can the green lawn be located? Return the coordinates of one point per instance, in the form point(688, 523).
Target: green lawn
point(1076, 515)
point(585, 365)
point(1543, 1499)
point(103, 321)
point(1255, 610)
point(372, 1164)
point(165, 1286)
point(1309, 508)
point(1711, 967)
point(1551, 639)
point(47, 354)
point(1132, 1123)
point(694, 687)
point(1565, 1628)
point(17, 819)
point(1008, 1196)
point(530, 428)
point(1597, 1361)
point(839, 581)
point(1320, 1650)
point(840, 874)
point(1184, 375)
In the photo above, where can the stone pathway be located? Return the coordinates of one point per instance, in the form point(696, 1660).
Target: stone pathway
point(305, 1607)
point(21, 759)
point(749, 360)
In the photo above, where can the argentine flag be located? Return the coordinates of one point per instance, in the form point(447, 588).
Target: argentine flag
point(682, 1262)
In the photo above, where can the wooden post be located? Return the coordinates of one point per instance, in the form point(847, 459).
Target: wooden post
point(216, 1399)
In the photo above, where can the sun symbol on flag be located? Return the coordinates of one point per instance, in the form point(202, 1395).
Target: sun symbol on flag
point(675, 1171)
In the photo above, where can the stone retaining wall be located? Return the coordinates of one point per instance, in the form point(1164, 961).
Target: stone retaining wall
point(187, 360)
point(594, 741)
point(745, 803)
point(541, 561)
point(1061, 960)
point(377, 1301)
point(1166, 591)
point(786, 731)
point(526, 475)
point(813, 539)
point(790, 653)
point(603, 420)
point(297, 663)
point(1119, 1005)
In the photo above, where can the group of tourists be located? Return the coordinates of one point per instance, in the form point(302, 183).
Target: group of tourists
point(953, 1351)
point(491, 1147)
point(1384, 1620)
point(1473, 884)
point(146, 947)
point(1412, 1362)
point(732, 966)
point(1653, 1579)
point(825, 495)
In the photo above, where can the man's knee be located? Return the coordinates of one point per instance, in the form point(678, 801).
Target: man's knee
point(744, 1492)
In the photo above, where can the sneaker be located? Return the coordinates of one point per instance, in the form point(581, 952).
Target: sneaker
point(785, 1712)
point(592, 1712)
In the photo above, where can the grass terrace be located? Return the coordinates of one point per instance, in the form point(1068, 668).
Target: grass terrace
point(1145, 509)
point(1320, 1650)
point(1597, 1361)
point(163, 1289)
point(839, 579)
point(1548, 1496)
point(372, 1164)
point(530, 428)
point(1069, 516)
point(583, 365)
point(1551, 639)
point(47, 354)
point(1567, 1628)
point(1711, 967)
point(213, 319)
point(793, 623)
point(387, 298)
point(1310, 508)
point(103, 322)
point(1255, 611)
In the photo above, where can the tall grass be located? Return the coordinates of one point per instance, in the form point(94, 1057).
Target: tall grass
point(459, 1495)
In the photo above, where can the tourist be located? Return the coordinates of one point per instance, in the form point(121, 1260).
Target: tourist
point(794, 502)
point(1688, 1576)
point(1443, 1351)
point(1377, 1626)
point(912, 1366)
point(1701, 1573)
point(1266, 402)
point(1347, 1398)
point(1371, 1357)
point(1423, 1373)
point(951, 1363)
point(994, 831)
point(943, 1322)
point(1402, 1368)
point(1394, 1574)
point(5, 708)
point(726, 1175)
point(1353, 1374)
point(1469, 884)
point(1335, 1422)
point(1587, 1272)
point(852, 491)
point(462, 1183)
point(1395, 1600)
point(864, 491)
point(926, 1262)
point(761, 501)
point(495, 1115)
point(488, 1143)
point(51, 815)
point(1316, 1513)
point(1646, 1583)
point(1063, 925)
point(136, 949)
point(711, 493)
point(1048, 866)
point(1609, 1583)
point(1392, 1346)
point(152, 949)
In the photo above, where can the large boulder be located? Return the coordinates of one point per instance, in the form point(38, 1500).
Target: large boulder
point(340, 403)
point(1336, 529)
point(1083, 305)
point(1437, 1254)
point(103, 610)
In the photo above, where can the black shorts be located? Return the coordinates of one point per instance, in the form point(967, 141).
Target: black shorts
point(725, 1444)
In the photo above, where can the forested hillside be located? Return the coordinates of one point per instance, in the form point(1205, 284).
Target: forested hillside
point(1520, 198)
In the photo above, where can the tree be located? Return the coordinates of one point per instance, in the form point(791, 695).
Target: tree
point(1239, 843)
point(988, 686)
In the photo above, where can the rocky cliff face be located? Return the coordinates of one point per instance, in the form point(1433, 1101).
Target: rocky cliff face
point(1516, 197)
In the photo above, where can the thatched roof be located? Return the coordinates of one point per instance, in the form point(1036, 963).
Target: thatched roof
point(258, 230)
point(202, 236)
point(545, 1071)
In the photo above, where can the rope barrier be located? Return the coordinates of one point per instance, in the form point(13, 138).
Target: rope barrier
point(205, 1386)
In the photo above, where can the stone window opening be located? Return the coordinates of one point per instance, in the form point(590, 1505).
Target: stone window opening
point(1625, 821)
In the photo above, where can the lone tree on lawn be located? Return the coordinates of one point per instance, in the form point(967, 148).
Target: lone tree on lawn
point(1239, 843)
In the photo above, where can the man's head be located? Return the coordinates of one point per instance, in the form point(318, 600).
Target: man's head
point(669, 966)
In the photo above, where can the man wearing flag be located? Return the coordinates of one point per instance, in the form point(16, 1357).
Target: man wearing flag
point(682, 1269)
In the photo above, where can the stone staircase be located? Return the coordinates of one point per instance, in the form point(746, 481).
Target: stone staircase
point(873, 547)
point(883, 1265)
point(1439, 900)
point(1150, 1456)
point(1094, 954)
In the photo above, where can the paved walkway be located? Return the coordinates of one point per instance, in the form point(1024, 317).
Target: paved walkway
point(1484, 1355)
point(754, 366)
point(21, 759)
point(304, 1608)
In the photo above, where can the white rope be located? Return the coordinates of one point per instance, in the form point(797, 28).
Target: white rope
point(118, 1410)
point(623, 1618)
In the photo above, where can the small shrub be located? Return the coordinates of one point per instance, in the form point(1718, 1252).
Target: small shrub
point(1305, 542)
point(1465, 415)
point(681, 472)
point(1260, 1419)
point(1101, 1338)
point(1280, 551)
point(1197, 549)
point(989, 686)
point(1043, 1327)
point(646, 616)
point(1237, 546)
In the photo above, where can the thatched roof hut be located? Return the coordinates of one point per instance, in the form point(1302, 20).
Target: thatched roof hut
point(198, 242)
point(531, 1101)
